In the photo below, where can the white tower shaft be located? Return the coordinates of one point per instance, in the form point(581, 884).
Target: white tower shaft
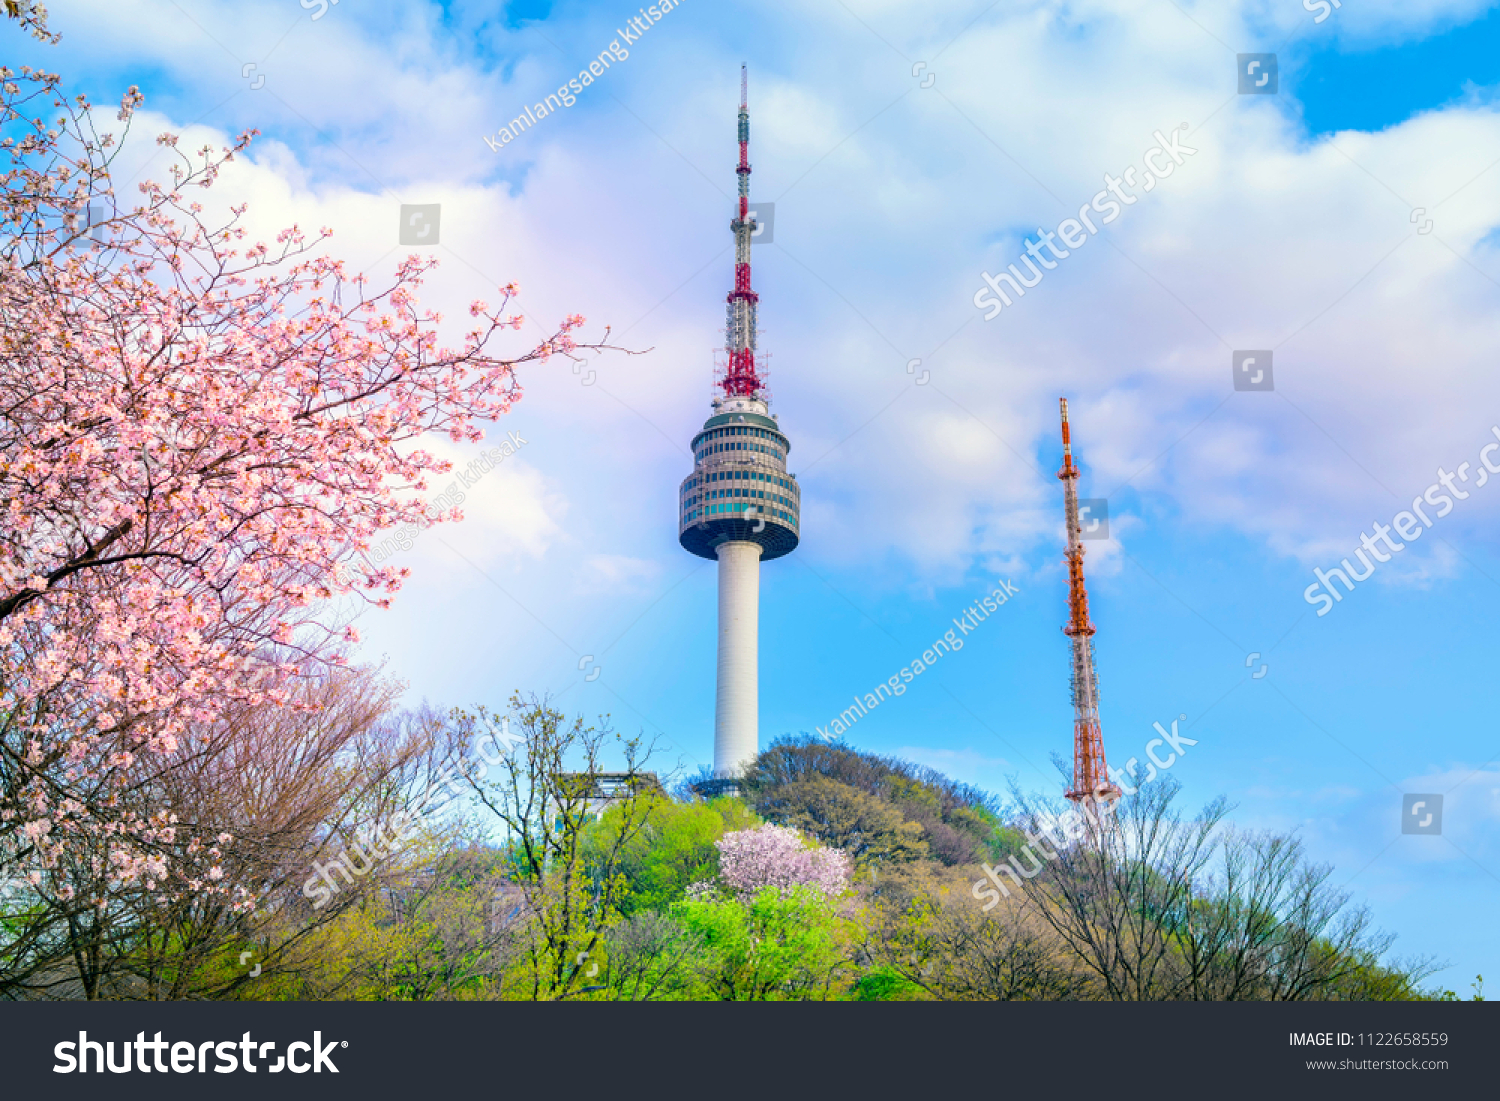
point(737, 714)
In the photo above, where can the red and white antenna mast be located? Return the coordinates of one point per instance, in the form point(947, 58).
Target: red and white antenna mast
point(741, 378)
point(1091, 783)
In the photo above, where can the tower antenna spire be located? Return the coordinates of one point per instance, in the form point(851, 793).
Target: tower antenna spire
point(1091, 782)
point(742, 378)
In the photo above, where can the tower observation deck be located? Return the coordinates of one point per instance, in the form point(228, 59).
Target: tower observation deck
point(739, 490)
point(739, 506)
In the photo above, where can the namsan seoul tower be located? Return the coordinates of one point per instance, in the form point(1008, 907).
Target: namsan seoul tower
point(739, 506)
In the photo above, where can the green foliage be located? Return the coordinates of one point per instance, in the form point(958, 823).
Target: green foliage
point(1003, 842)
point(1452, 995)
point(777, 947)
point(564, 905)
point(865, 826)
point(910, 810)
point(884, 985)
point(673, 849)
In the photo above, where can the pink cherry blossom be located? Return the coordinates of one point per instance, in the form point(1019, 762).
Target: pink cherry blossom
point(203, 437)
point(777, 856)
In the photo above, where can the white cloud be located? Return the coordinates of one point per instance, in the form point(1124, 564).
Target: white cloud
point(891, 200)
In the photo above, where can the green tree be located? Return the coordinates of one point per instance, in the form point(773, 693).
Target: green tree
point(541, 797)
point(777, 947)
point(674, 848)
point(866, 827)
point(957, 822)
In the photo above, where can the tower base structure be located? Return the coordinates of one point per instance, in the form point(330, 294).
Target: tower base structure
point(713, 789)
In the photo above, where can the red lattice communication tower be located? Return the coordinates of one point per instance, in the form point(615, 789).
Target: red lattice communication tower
point(1091, 783)
point(741, 377)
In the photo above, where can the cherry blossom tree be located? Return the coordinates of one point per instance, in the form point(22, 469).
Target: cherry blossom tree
point(199, 438)
point(776, 856)
point(32, 17)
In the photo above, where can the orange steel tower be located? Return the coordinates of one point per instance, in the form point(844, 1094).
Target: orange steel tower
point(1091, 783)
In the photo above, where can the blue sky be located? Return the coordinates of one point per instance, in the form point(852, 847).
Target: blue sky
point(1379, 84)
point(1294, 227)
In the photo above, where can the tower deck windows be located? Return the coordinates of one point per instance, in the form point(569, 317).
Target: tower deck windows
point(741, 468)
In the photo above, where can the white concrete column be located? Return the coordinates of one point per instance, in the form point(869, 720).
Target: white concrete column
point(737, 713)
